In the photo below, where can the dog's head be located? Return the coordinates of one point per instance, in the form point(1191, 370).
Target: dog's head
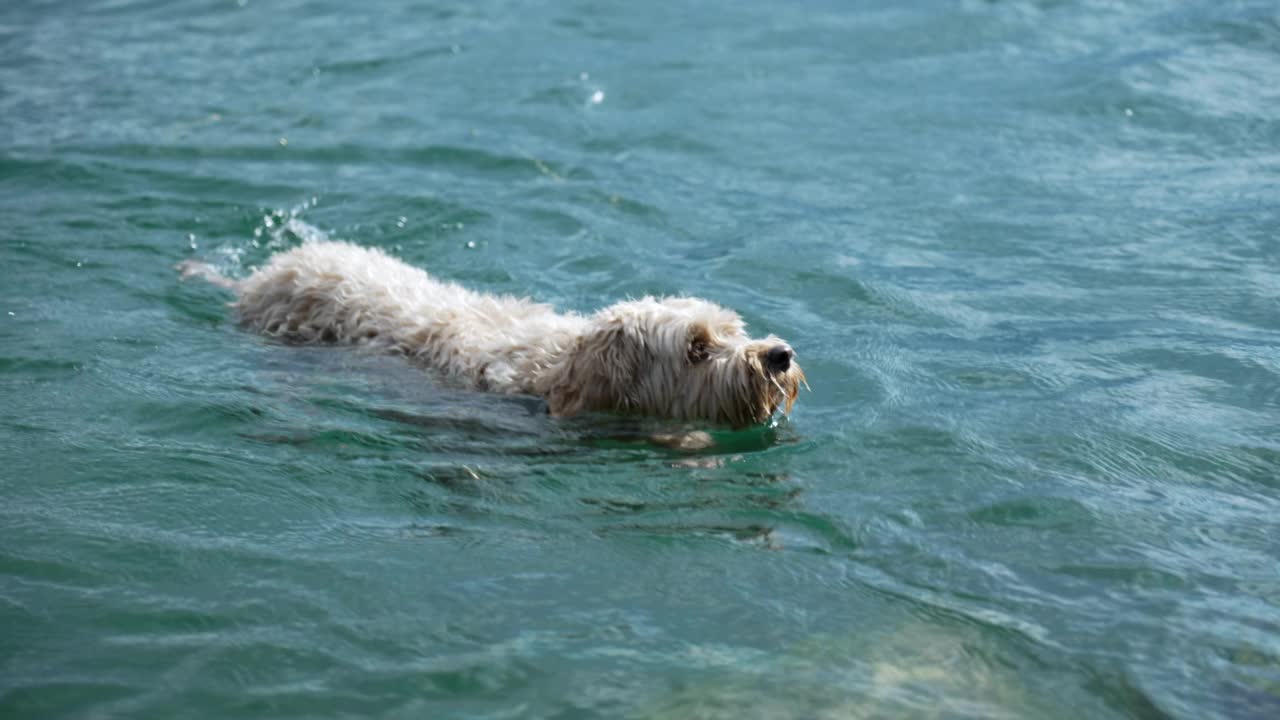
point(679, 358)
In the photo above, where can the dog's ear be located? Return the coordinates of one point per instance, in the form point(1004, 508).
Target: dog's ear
point(598, 374)
point(698, 348)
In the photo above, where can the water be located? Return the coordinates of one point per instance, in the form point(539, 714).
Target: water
point(1027, 252)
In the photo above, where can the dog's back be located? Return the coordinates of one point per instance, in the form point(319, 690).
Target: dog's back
point(336, 292)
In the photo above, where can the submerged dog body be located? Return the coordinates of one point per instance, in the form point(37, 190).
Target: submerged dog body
point(679, 358)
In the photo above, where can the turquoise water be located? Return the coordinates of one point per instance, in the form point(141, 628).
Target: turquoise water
point(1028, 253)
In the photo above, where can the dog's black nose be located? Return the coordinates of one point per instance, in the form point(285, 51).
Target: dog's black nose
point(778, 359)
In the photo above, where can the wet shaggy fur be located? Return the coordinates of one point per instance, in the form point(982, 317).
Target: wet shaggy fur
point(679, 358)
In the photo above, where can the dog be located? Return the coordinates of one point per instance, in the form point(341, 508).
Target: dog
point(675, 357)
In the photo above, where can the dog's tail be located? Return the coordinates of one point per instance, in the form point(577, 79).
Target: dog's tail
point(195, 268)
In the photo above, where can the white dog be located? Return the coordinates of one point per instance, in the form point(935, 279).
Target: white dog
point(679, 358)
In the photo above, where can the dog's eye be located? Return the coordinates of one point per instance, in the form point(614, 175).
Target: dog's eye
point(698, 352)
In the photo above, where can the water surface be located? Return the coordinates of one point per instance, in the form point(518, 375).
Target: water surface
point(1027, 251)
